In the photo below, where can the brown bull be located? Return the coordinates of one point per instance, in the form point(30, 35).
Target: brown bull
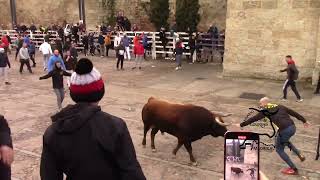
point(186, 122)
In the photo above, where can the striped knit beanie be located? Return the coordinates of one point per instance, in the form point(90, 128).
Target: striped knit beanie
point(86, 84)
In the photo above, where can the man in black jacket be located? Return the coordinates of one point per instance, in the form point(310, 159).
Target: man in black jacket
point(84, 142)
point(292, 75)
point(281, 118)
point(6, 151)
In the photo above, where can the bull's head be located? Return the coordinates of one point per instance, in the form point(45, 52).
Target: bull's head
point(219, 127)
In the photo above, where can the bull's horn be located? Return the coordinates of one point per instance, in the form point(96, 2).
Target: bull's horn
point(221, 123)
point(226, 115)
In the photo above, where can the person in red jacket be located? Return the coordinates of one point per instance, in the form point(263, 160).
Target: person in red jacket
point(5, 43)
point(139, 50)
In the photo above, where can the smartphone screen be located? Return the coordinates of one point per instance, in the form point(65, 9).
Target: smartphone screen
point(241, 156)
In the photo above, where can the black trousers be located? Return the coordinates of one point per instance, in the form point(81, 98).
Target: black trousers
point(107, 49)
point(25, 62)
point(5, 172)
point(292, 84)
point(32, 57)
point(120, 60)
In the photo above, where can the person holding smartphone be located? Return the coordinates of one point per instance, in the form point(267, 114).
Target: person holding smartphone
point(287, 129)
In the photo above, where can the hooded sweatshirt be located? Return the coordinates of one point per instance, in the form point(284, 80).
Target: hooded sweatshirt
point(281, 117)
point(85, 143)
point(292, 71)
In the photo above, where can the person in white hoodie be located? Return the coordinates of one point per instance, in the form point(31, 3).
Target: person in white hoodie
point(117, 41)
point(46, 50)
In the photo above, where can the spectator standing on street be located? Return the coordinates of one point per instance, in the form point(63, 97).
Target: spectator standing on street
point(75, 31)
point(163, 39)
point(57, 82)
point(318, 87)
point(287, 129)
point(101, 44)
point(107, 43)
point(55, 58)
point(46, 50)
point(85, 42)
point(4, 63)
point(139, 55)
point(94, 144)
point(91, 44)
point(120, 54)
point(18, 43)
point(117, 41)
point(5, 43)
point(292, 75)
point(178, 51)
point(74, 51)
point(59, 45)
point(32, 52)
point(70, 63)
point(192, 46)
point(6, 150)
point(24, 58)
point(126, 42)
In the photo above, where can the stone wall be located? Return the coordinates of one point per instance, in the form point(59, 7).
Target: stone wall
point(260, 33)
point(47, 11)
point(5, 18)
point(55, 11)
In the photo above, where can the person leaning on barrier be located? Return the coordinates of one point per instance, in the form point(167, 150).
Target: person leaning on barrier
point(287, 129)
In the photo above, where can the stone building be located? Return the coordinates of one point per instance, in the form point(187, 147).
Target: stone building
point(260, 33)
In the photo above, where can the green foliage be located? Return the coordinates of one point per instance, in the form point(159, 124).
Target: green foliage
point(109, 6)
point(159, 13)
point(187, 14)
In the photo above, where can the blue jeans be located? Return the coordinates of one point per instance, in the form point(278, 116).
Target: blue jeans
point(282, 140)
point(178, 60)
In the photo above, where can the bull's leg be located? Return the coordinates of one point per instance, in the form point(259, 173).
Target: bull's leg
point(174, 152)
point(153, 134)
point(145, 131)
point(189, 149)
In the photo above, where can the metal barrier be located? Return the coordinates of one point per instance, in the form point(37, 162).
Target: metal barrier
point(205, 44)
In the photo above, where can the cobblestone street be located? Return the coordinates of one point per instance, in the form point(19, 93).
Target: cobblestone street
point(28, 104)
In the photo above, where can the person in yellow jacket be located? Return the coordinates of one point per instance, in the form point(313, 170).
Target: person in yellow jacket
point(107, 43)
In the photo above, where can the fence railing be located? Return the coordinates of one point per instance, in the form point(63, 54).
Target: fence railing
point(205, 44)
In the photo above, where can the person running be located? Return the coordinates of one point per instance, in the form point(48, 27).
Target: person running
point(24, 58)
point(70, 63)
point(57, 82)
point(120, 51)
point(6, 150)
point(18, 44)
point(107, 43)
point(117, 41)
point(287, 129)
point(292, 75)
point(84, 142)
point(53, 59)
point(74, 51)
point(139, 50)
point(252, 170)
point(32, 52)
point(178, 51)
point(4, 62)
point(46, 50)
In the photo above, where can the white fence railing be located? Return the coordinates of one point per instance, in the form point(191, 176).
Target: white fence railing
point(205, 43)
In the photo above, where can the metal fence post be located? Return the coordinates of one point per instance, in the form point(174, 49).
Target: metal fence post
point(153, 52)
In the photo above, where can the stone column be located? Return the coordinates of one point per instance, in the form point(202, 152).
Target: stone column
point(82, 14)
point(13, 12)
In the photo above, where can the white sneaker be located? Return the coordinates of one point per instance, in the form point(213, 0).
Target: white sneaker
point(177, 68)
point(299, 100)
point(284, 100)
point(180, 67)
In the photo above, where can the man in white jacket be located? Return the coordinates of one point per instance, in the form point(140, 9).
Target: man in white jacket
point(117, 41)
point(46, 50)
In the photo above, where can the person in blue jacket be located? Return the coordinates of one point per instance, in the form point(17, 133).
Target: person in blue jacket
point(53, 59)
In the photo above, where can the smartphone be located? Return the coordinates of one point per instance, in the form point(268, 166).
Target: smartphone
point(241, 156)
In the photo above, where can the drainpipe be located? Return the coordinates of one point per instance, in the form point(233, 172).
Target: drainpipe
point(13, 12)
point(82, 14)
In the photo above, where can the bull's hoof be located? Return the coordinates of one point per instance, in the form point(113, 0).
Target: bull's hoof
point(194, 163)
point(154, 150)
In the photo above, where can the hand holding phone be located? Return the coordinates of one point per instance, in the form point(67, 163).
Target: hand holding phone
point(241, 156)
